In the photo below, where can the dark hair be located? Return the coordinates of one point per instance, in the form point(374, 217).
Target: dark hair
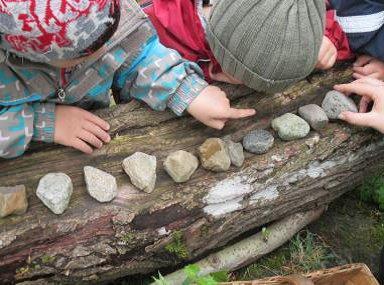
point(111, 29)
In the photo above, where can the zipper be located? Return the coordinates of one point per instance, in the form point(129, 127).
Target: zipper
point(60, 91)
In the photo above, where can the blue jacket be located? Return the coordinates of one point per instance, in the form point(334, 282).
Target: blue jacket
point(134, 63)
point(363, 22)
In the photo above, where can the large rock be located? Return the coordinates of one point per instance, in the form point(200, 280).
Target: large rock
point(314, 115)
point(100, 185)
point(258, 141)
point(290, 127)
point(180, 165)
point(236, 153)
point(214, 155)
point(55, 190)
point(336, 102)
point(141, 168)
point(13, 200)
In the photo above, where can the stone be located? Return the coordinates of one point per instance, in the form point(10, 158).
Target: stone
point(180, 165)
point(214, 155)
point(13, 200)
point(258, 141)
point(236, 153)
point(335, 103)
point(100, 185)
point(290, 127)
point(55, 190)
point(314, 115)
point(141, 169)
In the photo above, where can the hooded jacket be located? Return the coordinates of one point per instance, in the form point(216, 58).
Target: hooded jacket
point(134, 63)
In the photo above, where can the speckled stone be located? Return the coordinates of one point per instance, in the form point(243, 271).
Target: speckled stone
point(180, 165)
point(335, 103)
point(258, 141)
point(13, 200)
point(55, 190)
point(214, 155)
point(290, 127)
point(100, 185)
point(141, 168)
point(314, 115)
point(236, 153)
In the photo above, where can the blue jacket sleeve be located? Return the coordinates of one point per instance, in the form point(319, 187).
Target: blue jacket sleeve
point(162, 78)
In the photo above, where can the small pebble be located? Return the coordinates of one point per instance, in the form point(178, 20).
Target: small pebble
point(214, 155)
point(314, 115)
point(236, 153)
point(290, 127)
point(13, 200)
point(180, 165)
point(100, 185)
point(141, 168)
point(258, 141)
point(55, 190)
point(335, 103)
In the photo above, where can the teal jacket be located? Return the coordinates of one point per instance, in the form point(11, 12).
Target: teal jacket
point(135, 64)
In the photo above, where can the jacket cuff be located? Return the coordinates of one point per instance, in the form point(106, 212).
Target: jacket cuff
point(188, 90)
point(44, 122)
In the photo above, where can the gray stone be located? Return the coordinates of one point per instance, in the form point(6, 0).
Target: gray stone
point(214, 155)
point(55, 190)
point(13, 200)
point(258, 141)
point(290, 127)
point(141, 168)
point(314, 115)
point(100, 185)
point(236, 153)
point(180, 165)
point(336, 102)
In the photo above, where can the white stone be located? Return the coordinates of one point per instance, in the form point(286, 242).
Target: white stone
point(55, 190)
point(141, 168)
point(100, 185)
point(180, 165)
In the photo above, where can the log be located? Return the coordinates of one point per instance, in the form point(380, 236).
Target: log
point(139, 233)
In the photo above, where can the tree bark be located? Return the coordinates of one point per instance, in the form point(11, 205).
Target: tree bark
point(139, 232)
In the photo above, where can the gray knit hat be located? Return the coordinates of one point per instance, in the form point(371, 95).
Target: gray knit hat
point(267, 44)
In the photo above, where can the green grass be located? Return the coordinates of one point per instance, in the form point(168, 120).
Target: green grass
point(304, 253)
point(372, 190)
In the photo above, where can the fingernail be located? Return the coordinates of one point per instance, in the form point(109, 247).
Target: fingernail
point(341, 116)
point(108, 139)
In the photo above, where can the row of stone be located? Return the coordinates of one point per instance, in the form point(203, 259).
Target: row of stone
point(55, 189)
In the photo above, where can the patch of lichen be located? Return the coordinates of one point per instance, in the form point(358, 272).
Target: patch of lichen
point(47, 259)
point(127, 238)
point(177, 246)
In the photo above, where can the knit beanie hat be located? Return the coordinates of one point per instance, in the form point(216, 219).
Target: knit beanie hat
point(45, 30)
point(267, 44)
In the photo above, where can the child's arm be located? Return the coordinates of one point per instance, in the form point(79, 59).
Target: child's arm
point(161, 78)
point(368, 66)
point(371, 90)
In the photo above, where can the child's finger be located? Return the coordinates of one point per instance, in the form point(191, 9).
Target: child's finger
point(216, 124)
point(362, 60)
point(240, 113)
point(90, 138)
point(357, 75)
point(97, 131)
point(363, 105)
point(97, 120)
point(82, 146)
point(358, 119)
point(359, 88)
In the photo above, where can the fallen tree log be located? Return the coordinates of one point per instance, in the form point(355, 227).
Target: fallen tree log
point(139, 232)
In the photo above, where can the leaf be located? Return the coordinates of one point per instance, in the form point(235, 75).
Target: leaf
point(206, 280)
point(221, 276)
point(192, 271)
point(161, 280)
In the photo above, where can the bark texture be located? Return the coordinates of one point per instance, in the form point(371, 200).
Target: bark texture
point(139, 232)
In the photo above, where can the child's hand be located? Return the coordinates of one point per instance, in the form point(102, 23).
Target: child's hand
point(371, 90)
point(327, 55)
point(368, 66)
point(80, 129)
point(212, 108)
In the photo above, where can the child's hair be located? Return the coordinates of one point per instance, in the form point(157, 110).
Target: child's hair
point(43, 35)
point(267, 44)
